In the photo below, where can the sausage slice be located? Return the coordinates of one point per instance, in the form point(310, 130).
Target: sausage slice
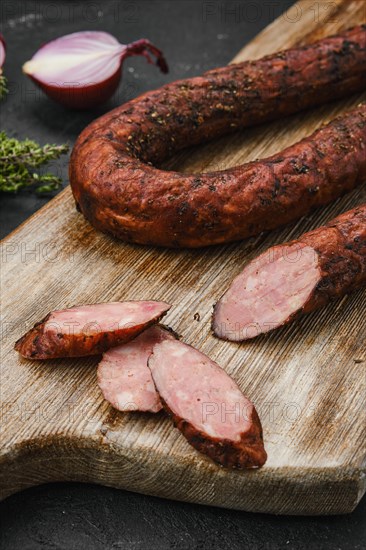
point(89, 329)
point(123, 374)
point(207, 406)
point(294, 278)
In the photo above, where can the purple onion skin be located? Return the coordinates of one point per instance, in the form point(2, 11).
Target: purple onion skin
point(89, 96)
point(144, 47)
point(82, 98)
point(2, 51)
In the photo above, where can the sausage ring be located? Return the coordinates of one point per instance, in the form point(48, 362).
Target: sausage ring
point(119, 189)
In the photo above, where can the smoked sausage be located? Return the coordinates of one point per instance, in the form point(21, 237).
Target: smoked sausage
point(119, 189)
point(123, 374)
point(89, 329)
point(207, 406)
point(295, 278)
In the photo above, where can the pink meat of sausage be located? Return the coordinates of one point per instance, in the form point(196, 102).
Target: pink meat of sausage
point(207, 406)
point(89, 329)
point(123, 374)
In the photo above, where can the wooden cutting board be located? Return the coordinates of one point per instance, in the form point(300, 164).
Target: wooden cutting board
point(307, 380)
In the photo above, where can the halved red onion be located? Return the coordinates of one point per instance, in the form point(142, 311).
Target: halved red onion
point(83, 69)
point(2, 51)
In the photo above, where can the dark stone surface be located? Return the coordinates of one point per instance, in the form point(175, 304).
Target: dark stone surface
point(196, 36)
point(88, 517)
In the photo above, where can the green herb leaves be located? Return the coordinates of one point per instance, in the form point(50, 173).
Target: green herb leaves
point(19, 158)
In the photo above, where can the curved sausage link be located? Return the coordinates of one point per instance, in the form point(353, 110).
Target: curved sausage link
point(294, 278)
point(120, 191)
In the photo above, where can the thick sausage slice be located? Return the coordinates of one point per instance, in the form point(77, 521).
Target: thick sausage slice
point(119, 189)
point(207, 406)
point(294, 278)
point(89, 329)
point(123, 374)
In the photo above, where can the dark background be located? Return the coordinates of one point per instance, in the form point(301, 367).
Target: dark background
point(195, 36)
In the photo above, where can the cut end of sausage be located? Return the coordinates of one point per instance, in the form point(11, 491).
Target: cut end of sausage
point(207, 406)
point(89, 329)
point(123, 374)
point(268, 293)
point(105, 317)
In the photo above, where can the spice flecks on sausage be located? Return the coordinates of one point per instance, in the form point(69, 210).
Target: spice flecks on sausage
point(89, 329)
point(120, 190)
point(294, 278)
point(123, 374)
point(207, 406)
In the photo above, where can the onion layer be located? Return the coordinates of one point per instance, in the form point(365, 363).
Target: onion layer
point(2, 51)
point(83, 69)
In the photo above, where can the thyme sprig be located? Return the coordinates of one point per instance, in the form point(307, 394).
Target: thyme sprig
point(18, 158)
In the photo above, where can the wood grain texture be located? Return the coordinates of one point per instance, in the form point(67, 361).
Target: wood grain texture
point(307, 381)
